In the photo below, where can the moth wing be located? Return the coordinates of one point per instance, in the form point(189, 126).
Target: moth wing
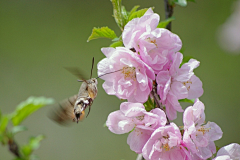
point(77, 72)
point(65, 113)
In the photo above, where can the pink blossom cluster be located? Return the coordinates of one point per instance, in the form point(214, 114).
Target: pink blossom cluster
point(151, 56)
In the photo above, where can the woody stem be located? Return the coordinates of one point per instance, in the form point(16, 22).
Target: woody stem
point(157, 100)
point(168, 13)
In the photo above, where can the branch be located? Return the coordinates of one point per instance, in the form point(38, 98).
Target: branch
point(157, 100)
point(13, 147)
point(168, 13)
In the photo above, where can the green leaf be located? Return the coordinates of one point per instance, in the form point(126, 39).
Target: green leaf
point(185, 59)
point(17, 129)
point(1, 137)
point(124, 15)
point(182, 3)
point(19, 159)
point(116, 39)
point(164, 23)
point(103, 32)
point(116, 44)
point(34, 157)
point(117, 13)
point(182, 50)
point(105, 124)
point(187, 100)
point(32, 145)
point(149, 105)
point(137, 14)
point(3, 123)
point(26, 108)
point(133, 10)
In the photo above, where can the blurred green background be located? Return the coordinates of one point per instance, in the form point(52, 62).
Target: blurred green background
point(40, 37)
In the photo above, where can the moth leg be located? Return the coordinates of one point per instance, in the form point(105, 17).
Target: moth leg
point(88, 111)
point(90, 102)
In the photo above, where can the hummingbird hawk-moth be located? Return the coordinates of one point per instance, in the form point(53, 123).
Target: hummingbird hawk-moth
point(74, 107)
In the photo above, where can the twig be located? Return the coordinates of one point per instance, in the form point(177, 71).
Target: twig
point(168, 13)
point(157, 100)
point(13, 147)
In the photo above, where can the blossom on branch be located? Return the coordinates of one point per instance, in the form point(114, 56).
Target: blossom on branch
point(155, 45)
point(133, 117)
point(132, 78)
point(178, 83)
point(165, 143)
point(199, 137)
point(151, 55)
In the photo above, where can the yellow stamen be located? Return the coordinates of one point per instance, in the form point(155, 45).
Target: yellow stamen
point(129, 72)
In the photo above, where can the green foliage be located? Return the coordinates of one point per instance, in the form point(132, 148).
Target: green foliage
point(27, 107)
point(18, 159)
point(3, 123)
point(117, 13)
point(23, 110)
point(187, 100)
point(164, 23)
point(33, 144)
point(17, 129)
point(134, 9)
point(116, 44)
point(149, 105)
point(124, 15)
point(103, 32)
point(182, 3)
point(137, 14)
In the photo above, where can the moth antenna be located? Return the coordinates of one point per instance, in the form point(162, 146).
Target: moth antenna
point(108, 73)
point(92, 67)
point(82, 80)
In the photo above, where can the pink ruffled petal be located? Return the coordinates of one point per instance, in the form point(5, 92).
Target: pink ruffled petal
point(118, 123)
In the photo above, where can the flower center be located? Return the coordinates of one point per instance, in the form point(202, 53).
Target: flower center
point(187, 84)
point(152, 41)
point(129, 72)
point(140, 118)
point(203, 129)
point(164, 140)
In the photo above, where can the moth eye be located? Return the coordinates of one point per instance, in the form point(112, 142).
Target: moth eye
point(93, 81)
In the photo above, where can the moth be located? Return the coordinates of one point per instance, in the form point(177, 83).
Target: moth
point(74, 107)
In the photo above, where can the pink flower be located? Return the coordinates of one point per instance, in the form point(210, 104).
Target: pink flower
point(132, 79)
point(165, 143)
point(199, 138)
point(152, 43)
point(133, 117)
point(178, 83)
point(229, 152)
